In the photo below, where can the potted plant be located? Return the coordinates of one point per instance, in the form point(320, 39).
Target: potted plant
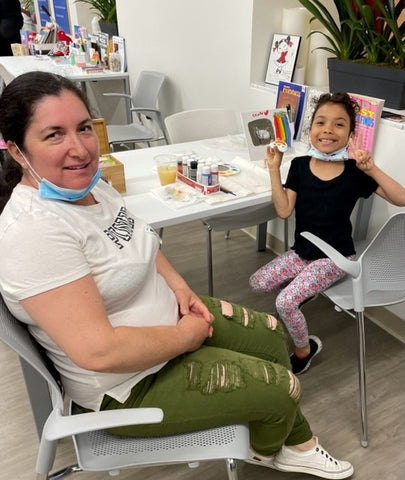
point(107, 13)
point(367, 44)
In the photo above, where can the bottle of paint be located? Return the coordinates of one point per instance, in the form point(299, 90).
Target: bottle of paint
point(214, 174)
point(206, 175)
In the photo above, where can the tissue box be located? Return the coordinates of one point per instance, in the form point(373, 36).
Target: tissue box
point(113, 172)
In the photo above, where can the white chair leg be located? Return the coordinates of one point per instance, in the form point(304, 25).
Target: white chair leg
point(362, 378)
point(231, 466)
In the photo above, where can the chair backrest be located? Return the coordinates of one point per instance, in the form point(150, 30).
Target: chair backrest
point(147, 89)
point(43, 388)
point(383, 261)
point(200, 124)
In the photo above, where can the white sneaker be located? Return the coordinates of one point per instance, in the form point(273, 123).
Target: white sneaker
point(257, 459)
point(316, 461)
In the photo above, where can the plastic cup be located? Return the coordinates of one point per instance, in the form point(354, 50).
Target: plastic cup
point(166, 168)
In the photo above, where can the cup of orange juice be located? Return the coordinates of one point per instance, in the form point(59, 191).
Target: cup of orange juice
point(166, 165)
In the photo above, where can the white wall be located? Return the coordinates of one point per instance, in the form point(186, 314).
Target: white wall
point(204, 48)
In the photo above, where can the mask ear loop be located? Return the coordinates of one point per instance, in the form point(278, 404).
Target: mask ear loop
point(31, 169)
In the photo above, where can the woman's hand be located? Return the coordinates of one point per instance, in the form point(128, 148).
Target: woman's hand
point(194, 330)
point(190, 303)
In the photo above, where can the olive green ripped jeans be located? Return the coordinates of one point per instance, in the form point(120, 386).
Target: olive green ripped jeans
point(240, 375)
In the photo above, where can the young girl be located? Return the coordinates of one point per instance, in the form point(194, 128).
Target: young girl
point(323, 188)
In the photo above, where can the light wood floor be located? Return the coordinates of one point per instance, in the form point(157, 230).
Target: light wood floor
point(330, 387)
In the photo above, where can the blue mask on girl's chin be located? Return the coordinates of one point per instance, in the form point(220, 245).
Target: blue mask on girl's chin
point(51, 191)
point(337, 156)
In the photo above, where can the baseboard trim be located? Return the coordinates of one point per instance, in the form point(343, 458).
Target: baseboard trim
point(388, 321)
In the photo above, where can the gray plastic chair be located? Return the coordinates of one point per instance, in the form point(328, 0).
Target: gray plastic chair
point(376, 278)
point(143, 103)
point(200, 124)
point(96, 449)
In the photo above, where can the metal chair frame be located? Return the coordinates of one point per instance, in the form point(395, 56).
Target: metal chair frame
point(96, 449)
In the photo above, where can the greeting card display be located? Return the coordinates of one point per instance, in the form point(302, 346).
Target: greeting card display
point(263, 127)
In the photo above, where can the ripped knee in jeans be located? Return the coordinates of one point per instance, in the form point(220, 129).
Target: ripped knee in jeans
point(246, 317)
point(295, 387)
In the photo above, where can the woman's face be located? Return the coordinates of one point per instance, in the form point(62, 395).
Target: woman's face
point(330, 129)
point(60, 142)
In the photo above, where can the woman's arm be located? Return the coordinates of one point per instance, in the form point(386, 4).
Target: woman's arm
point(74, 316)
point(283, 199)
point(188, 301)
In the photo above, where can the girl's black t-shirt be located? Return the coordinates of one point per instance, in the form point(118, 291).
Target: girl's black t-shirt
point(323, 207)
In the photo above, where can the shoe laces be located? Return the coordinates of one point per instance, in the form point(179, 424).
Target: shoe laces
point(325, 454)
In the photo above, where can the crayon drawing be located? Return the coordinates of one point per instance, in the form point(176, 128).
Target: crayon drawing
point(282, 58)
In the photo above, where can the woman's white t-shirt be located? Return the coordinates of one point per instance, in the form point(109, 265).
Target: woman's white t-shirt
point(46, 243)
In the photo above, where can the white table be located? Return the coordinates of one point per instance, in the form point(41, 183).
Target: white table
point(141, 177)
point(13, 66)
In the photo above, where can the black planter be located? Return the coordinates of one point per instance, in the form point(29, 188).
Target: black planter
point(108, 27)
point(381, 82)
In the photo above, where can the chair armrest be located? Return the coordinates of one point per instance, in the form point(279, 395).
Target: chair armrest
point(59, 426)
point(122, 95)
point(145, 110)
point(349, 266)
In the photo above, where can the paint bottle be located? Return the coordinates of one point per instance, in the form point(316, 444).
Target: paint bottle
point(200, 167)
point(184, 165)
point(214, 174)
point(206, 175)
point(193, 170)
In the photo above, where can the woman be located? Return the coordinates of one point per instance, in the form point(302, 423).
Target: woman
point(120, 324)
point(11, 21)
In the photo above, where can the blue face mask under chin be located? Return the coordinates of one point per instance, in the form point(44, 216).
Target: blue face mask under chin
point(49, 190)
point(337, 156)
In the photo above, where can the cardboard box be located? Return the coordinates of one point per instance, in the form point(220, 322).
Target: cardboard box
point(205, 189)
point(113, 172)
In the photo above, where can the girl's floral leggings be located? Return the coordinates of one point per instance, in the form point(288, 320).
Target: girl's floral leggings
point(295, 280)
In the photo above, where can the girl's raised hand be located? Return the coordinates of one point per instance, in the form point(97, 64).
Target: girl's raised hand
point(364, 159)
point(274, 157)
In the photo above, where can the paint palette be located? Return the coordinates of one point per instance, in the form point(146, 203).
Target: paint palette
point(226, 169)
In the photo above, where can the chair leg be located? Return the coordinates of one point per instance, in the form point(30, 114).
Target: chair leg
point(285, 234)
point(209, 262)
point(362, 378)
point(231, 466)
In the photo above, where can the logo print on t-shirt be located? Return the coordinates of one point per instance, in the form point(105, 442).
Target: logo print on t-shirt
point(122, 228)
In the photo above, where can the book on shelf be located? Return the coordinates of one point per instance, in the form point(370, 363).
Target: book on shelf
point(367, 119)
point(292, 97)
point(119, 48)
point(397, 119)
point(102, 43)
point(311, 98)
point(264, 126)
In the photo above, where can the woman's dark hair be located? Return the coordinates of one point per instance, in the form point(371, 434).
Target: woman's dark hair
point(17, 106)
point(339, 98)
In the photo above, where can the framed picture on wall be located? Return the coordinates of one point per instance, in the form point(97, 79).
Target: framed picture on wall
point(282, 58)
